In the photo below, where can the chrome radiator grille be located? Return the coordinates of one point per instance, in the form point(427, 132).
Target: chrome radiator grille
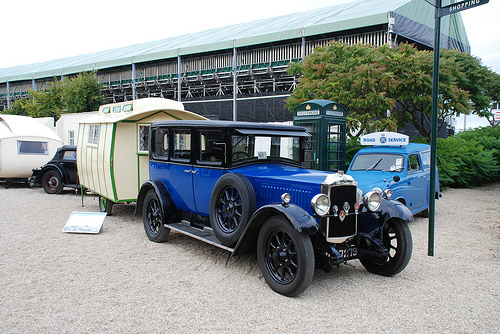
point(344, 225)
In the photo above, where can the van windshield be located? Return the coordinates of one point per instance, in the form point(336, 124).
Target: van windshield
point(378, 162)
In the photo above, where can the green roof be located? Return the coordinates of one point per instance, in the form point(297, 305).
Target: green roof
point(414, 19)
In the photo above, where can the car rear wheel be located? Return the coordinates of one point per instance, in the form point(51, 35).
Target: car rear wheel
point(152, 217)
point(232, 203)
point(285, 256)
point(105, 205)
point(398, 241)
point(52, 182)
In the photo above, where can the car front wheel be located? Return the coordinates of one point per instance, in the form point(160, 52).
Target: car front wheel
point(52, 182)
point(285, 256)
point(396, 237)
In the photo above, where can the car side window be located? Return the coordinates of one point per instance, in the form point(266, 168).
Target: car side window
point(212, 148)
point(69, 155)
point(413, 163)
point(182, 145)
point(161, 144)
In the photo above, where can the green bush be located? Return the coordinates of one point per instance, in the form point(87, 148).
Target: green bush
point(470, 158)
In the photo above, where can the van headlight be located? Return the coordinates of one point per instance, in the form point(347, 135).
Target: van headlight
point(320, 204)
point(372, 200)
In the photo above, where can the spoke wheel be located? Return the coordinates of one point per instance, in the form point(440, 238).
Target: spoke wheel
point(232, 203)
point(52, 182)
point(285, 256)
point(229, 210)
point(153, 218)
point(397, 240)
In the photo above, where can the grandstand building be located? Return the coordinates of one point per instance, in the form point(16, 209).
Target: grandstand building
point(239, 72)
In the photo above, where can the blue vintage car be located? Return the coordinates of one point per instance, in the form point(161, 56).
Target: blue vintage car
point(242, 187)
point(403, 170)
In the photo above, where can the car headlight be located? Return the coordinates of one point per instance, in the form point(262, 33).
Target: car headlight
point(320, 204)
point(388, 193)
point(372, 200)
point(286, 198)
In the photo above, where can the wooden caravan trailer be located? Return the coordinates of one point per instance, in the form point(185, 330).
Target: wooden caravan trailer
point(25, 143)
point(112, 147)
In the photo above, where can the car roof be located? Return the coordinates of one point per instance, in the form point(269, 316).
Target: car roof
point(401, 149)
point(230, 124)
point(67, 148)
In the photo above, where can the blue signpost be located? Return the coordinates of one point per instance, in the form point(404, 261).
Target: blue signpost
point(440, 12)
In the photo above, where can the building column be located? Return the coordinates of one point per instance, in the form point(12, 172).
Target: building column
point(134, 92)
point(235, 84)
point(8, 94)
point(179, 77)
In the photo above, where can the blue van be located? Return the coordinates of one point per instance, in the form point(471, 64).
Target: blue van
point(401, 171)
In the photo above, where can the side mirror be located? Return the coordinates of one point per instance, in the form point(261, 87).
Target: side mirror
point(396, 178)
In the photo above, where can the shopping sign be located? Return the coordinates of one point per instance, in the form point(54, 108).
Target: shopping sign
point(384, 139)
point(459, 6)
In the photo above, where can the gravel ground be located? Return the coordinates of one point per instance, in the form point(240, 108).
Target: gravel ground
point(120, 282)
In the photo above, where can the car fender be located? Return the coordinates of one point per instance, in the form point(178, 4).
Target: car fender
point(163, 196)
point(300, 219)
point(368, 221)
point(48, 167)
point(395, 209)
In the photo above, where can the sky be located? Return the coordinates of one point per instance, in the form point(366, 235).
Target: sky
point(35, 31)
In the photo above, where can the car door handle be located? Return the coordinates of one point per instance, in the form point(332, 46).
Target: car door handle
point(187, 170)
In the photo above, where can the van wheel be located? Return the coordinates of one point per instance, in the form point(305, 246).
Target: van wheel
point(52, 182)
point(105, 205)
point(152, 217)
point(232, 203)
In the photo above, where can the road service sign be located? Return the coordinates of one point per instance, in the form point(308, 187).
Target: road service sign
point(385, 139)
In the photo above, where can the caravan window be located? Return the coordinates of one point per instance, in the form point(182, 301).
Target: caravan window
point(94, 134)
point(143, 138)
point(32, 147)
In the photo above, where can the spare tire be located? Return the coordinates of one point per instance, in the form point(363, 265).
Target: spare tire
point(232, 203)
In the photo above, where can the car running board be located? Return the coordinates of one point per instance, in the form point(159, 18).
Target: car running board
point(206, 234)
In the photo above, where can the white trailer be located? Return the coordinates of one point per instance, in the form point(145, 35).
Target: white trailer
point(25, 143)
point(112, 147)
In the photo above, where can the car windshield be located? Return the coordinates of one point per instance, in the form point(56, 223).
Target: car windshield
point(257, 147)
point(379, 162)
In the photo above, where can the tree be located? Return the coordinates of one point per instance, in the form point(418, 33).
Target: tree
point(79, 94)
point(83, 93)
point(352, 75)
point(47, 103)
point(492, 83)
point(412, 70)
point(370, 80)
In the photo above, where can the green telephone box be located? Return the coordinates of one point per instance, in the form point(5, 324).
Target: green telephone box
point(326, 122)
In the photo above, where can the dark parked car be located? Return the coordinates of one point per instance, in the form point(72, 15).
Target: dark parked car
point(59, 172)
point(242, 187)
